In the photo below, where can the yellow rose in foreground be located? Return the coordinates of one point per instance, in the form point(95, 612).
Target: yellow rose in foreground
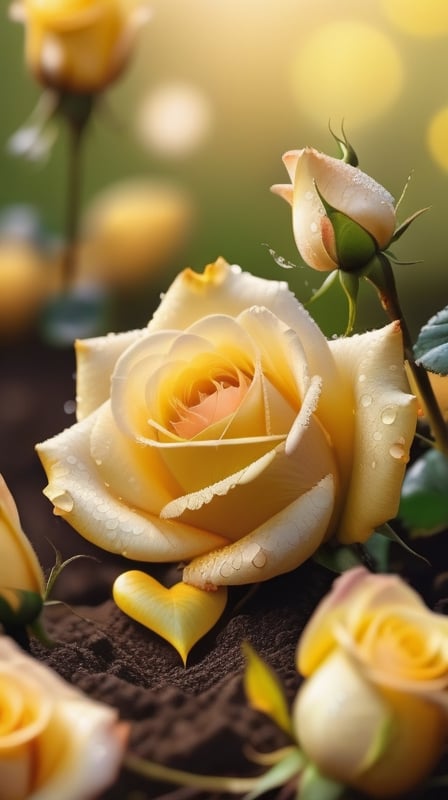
point(343, 187)
point(231, 432)
point(54, 742)
point(19, 567)
point(79, 45)
point(373, 712)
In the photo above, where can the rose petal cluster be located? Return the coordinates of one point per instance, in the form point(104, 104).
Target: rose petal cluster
point(54, 741)
point(19, 565)
point(79, 46)
point(315, 176)
point(373, 710)
point(231, 434)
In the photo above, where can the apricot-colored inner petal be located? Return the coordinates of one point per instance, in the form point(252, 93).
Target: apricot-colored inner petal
point(224, 399)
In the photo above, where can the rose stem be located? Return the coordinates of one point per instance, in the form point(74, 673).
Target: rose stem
point(149, 769)
point(388, 294)
point(76, 109)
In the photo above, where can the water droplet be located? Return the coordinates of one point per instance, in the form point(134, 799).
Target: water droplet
point(398, 452)
point(377, 436)
point(63, 502)
point(71, 459)
point(373, 465)
point(362, 378)
point(309, 195)
point(366, 400)
point(388, 415)
point(259, 559)
point(98, 462)
point(69, 407)
point(313, 227)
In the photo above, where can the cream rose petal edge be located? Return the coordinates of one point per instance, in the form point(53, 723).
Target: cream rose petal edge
point(279, 545)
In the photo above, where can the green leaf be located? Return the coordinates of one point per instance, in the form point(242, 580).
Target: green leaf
point(314, 786)
point(431, 347)
point(19, 606)
point(264, 690)
point(279, 774)
point(388, 534)
point(424, 497)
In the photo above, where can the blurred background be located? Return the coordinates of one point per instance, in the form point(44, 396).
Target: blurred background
point(216, 93)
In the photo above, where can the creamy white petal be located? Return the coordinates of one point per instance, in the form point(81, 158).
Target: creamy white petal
point(385, 420)
point(279, 545)
point(95, 362)
point(80, 495)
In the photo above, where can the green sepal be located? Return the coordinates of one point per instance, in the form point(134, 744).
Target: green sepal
point(340, 557)
point(279, 775)
point(350, 285)
point(431, 347)
point(424, 496)
point(402, 228)
point(348, 154)
point(354, 246)
point(326, 285)
point(315, 786)
point(19, 607)
point(264, 690)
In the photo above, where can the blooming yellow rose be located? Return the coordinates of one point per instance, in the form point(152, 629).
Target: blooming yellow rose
point(79, 45)
point(373, 711)
point(231, 432)
point(315, 175)
point(19, 567)
point(54, 742)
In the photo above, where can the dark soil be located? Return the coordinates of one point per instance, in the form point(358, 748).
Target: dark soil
point(194, 718)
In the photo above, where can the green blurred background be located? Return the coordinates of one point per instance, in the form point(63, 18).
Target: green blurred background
point(218, 90)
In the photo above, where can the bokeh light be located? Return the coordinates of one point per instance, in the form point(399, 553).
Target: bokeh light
point(347, 70)
point(437, 137)
point(174, 119)
point(418, 17)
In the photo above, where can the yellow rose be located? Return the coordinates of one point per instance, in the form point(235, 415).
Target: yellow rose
point(19, 567)
point(54, 742)
point(373, 710)
point(343, 187)
point(79, 45)
point(231, 432)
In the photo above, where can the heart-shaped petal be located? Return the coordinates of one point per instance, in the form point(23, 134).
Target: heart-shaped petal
point(182, 614)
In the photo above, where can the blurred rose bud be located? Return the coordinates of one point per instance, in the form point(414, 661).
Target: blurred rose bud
point(373, 710)
point(134, 230)
point(24, 285)
point(79, 46)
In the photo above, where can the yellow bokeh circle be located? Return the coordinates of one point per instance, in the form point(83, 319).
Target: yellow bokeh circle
point(346, 70)
point(418, 17)
point(437, 137)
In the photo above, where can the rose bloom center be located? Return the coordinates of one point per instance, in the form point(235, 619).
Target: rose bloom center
point(208, 401)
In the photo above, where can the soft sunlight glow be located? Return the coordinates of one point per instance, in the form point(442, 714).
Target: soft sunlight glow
point(429, 18)
point(174, 119)
point(346, 70)
point(437, 137)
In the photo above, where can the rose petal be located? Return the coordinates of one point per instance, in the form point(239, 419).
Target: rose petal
point(181, 614)
point(341, 720)
point(95, 362)
point(279, 545)
point(78, 493)
point(385, 420)
point(19, 567)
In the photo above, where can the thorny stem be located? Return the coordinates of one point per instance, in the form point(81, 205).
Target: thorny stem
point(389, 300)
point(211, 783)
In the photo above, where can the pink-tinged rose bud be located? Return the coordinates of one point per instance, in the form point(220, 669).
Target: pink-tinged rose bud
point(316, 177)
point(79, 46)
point(373, 710)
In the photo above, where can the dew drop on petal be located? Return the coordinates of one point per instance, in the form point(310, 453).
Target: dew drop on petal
point(377, 436)
point(388, 415)
point(366, 400)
